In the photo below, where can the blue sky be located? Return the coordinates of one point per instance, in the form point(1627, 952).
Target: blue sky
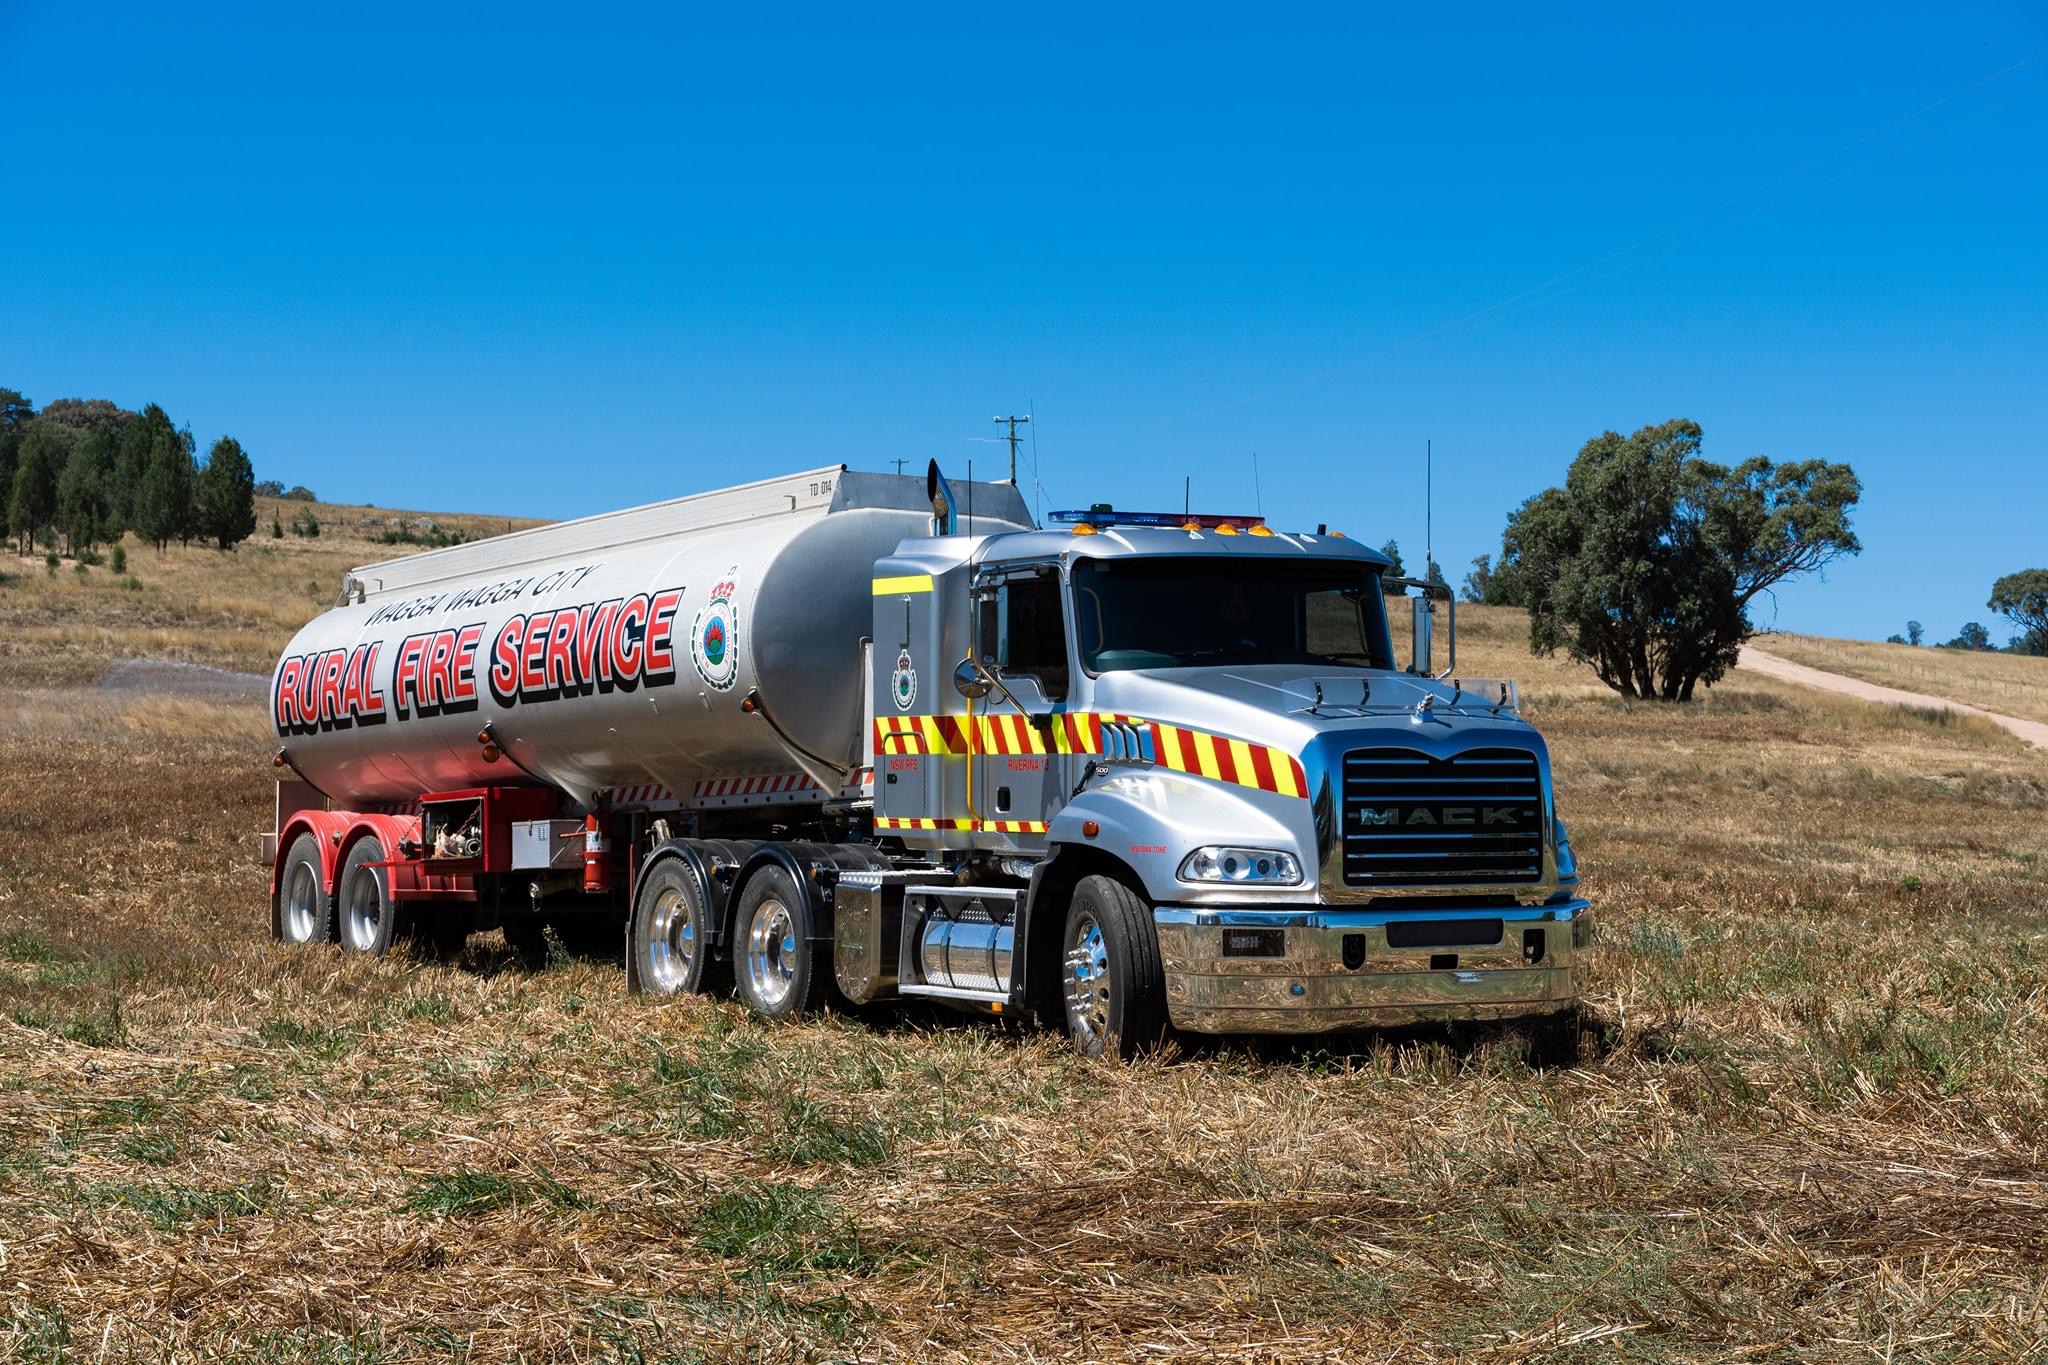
point(553, 261)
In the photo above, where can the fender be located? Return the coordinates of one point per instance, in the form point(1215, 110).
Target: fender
point(801, 863)
point(816, 869)
point(1148, 819)
point(336, 831)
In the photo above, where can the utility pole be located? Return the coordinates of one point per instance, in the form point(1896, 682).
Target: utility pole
point(1013, 421)
point(900, 464)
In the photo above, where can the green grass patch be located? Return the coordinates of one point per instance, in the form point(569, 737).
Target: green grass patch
point(467, 1194)
point(781, 1229)
point(809, 1135)
point(169, 1208)
point(37, 1335)
point(311, 1040)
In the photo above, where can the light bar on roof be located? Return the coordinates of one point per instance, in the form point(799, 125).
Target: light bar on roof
point(1109, 516)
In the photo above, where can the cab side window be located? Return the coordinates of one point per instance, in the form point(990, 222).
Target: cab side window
point(1023, 631)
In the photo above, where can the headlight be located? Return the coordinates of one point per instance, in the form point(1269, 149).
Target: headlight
point(1253, 866)
point(1567, 865)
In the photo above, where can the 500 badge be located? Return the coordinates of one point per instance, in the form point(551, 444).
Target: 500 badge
point(715, 635)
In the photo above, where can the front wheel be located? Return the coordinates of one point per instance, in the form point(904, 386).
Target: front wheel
point(779, 977)
point(1110, 975)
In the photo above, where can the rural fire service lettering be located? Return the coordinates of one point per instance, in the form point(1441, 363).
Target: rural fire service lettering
point(598, 646)
point(436, 672)
point(330, 689)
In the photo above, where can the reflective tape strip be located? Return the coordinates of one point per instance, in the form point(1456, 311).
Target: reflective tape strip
point(1174, 747)
point(925, 822)
point(902, 583)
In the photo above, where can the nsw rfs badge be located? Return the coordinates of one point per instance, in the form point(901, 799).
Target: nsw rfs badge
point(903, 682)
point(715, 636)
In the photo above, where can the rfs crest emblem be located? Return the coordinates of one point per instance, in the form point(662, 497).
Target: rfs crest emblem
point(715, 636)
point(903, 682)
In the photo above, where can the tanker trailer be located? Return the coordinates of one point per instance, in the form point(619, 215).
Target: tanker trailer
point(865, 736)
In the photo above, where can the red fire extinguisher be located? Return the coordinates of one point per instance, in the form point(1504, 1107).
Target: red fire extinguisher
point(596, 863)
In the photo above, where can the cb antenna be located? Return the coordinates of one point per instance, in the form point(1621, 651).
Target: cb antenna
point(1013, 421)
point(1428, 506)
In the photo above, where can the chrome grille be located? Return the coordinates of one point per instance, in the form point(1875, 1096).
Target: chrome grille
point(1473, 819)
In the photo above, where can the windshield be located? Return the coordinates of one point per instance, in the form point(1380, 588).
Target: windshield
point(1188, 612)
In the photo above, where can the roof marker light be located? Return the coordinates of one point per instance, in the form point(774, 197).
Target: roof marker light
point(1262, 530)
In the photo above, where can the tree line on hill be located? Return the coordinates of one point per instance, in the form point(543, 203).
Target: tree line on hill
point(2021, 598)
point(85, 471)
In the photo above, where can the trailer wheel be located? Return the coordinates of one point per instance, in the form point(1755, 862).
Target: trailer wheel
point(778, 974)
point(670, 938)
point(1110, 973)
point(362, 900)
point(305, 912)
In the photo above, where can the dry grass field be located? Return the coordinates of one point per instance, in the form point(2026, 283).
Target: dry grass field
point(2010, 684)
point(1811, 1123)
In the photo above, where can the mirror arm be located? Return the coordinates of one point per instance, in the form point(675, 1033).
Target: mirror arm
point(996, 682)
point(1444, 591)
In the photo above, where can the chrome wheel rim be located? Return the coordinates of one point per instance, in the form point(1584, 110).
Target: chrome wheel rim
point(1087, 980)
point(771, 953)
point(362, 909)
point(301, 893)
point(671, 941)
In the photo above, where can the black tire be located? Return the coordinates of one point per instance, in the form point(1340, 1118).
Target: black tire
point(1113, 988)
point(364, 912)
point(778, 975)
point(668, 942)
point(303, 911)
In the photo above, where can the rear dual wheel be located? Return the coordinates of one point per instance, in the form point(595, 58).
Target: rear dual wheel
point(305, 912)
point(362, 897)
point(779, 975)
point(670, 938)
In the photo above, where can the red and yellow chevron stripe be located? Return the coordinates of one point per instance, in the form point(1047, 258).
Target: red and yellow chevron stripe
point(886, 822)
point(920, 822)
point(1175, 747)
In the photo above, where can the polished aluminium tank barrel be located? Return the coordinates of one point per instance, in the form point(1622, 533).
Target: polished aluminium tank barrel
point(612, 655)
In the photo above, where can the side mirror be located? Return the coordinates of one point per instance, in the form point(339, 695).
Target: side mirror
point(970, 681)
point(1423, 624)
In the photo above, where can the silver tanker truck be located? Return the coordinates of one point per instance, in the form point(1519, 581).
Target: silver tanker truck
point(874, 736)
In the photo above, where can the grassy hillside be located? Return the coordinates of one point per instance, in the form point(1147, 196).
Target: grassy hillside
point(2010, 684)
point(195, 603)
point(1811, 1124)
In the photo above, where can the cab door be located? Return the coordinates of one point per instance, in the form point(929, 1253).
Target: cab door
point(1021, 636)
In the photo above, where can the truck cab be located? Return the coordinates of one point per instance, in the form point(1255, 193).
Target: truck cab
point(1207, 714)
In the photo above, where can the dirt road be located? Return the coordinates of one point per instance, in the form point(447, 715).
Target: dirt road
point(1770, 665)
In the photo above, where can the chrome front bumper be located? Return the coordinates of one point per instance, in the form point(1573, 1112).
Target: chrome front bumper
point(1534, 967)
